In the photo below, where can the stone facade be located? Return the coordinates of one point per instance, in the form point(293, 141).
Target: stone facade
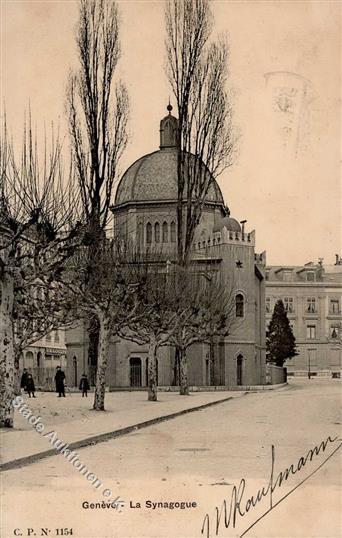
point(145, 214)
point(42, 358)
point(312, 297)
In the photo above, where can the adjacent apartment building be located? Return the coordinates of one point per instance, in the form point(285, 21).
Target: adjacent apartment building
point(42, 358)
point(312, 297)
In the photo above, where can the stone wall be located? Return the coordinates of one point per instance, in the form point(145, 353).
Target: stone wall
point(275, 374)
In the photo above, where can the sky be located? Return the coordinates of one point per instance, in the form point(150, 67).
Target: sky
point(284, 81)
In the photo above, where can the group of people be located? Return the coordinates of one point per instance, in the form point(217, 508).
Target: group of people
point(27, 383)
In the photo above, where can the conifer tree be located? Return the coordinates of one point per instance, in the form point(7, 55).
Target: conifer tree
point(280, 341)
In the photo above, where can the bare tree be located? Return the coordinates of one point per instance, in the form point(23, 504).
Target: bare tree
point(209, 302)
point(97, 111)
point(107, 291)
point(39, 308)
point(161, 313)
point(197, 72)
point(98, 114)
point(39, 225)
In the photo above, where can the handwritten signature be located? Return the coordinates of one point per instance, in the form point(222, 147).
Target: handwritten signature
point(238, 506)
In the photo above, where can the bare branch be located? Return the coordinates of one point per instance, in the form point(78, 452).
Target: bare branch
point(97, 109)
point(197, 73)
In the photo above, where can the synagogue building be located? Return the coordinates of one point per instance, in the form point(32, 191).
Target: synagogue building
point(145, 212)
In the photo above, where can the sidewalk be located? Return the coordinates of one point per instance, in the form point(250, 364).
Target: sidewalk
point(74, 420)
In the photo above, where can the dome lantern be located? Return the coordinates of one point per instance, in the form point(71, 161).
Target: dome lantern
point(168, 130)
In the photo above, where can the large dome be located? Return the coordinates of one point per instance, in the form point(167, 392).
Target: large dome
point(154, 178)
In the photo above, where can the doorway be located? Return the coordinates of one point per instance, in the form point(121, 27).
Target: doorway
point(75, 371)
point(135, 371)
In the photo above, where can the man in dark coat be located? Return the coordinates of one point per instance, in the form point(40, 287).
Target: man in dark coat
point(84, 385)
point(30, 388)
point(59, 379)
point(23, 380)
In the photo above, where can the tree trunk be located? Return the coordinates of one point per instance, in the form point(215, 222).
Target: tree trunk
point(100, 386)
point(6, 352)
point(93, 347)
point(152, 371)
point(183, 373)
point(17, 388)
point(180, 188)
point(175, 380)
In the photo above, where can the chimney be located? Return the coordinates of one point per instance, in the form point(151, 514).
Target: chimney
point(243, 222)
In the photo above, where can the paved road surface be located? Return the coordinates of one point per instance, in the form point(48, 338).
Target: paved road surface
point(198, 458)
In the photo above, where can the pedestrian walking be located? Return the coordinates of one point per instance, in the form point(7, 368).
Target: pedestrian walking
point(84, 385)
point(23, 380)
point(30, 388)
point(59, 379)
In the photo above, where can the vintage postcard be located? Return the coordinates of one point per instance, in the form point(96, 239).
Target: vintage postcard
point(170, 269)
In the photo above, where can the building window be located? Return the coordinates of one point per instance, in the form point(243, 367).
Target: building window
point(140, 234)
point(268, 305)
point(311, 305)
point(334, 306)
point(165, 233)
point(56, 336)
point(48, 337)
point(311, 332)
point(122, 230)
point(287, 276)
point(310, 276)
point(334, 331)
point(288, 303)
point(267, 274)
point(239, 305)
point(173, 232)
point(148, 232)
point(157, 232)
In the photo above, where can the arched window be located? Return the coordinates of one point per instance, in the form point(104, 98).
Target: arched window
point(168, 129)
point(157, 232)
point(165, 233)
point(148, 232)
point(173, 232)
point(239, 369)
point(140, 234)
point(29, 359)
point(239, 305)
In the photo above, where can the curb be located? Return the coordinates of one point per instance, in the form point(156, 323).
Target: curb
point(103, 437)
point(257, 388)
